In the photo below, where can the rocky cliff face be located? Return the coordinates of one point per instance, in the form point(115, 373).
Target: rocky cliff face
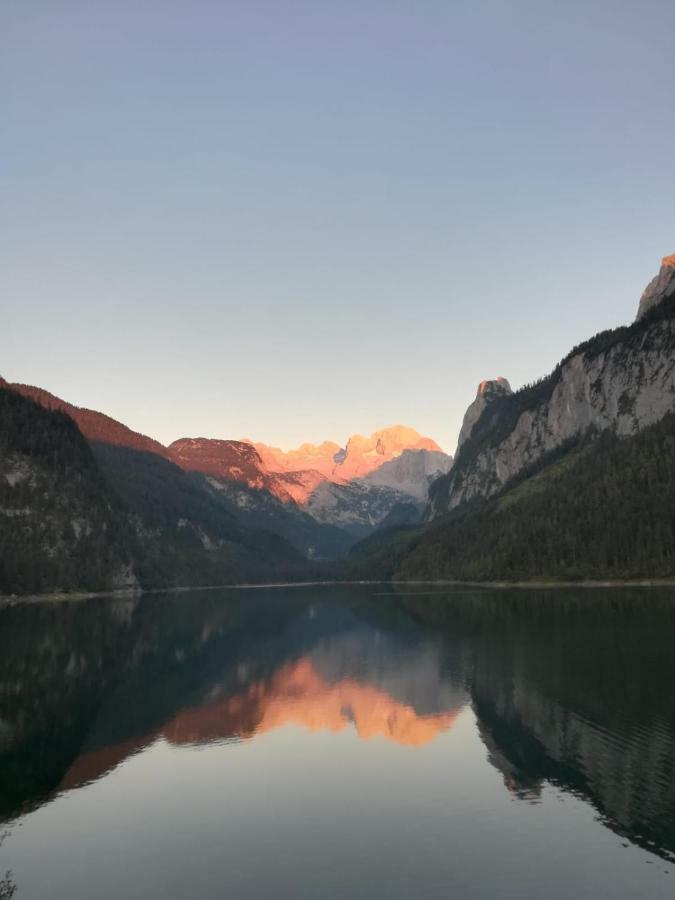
point(356, 507)
point(487, 392)
point(410, 473)
point(623, 379)
point(661, 287)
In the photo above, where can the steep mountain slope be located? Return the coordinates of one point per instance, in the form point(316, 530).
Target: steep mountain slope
point(73, 519)
point(411, 473)
point(356, 507)
point(260, 509)
point(259, 498)
point(94, 425)
point(185, 534)
point(396, 489)
point(59, 527)
point(622, 380)
point(602, 509)
point(238, 487)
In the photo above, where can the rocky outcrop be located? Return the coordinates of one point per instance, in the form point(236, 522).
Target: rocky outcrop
point(660, 288)
point(231, 460)
point(410, 473)
point(487, 392)
point(623, 380)
point(356, 507)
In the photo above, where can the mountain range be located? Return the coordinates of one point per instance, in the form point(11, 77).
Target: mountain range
point(200, 510)
point(572, 476)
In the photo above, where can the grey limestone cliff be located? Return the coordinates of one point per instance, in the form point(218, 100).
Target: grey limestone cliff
point(622, 379)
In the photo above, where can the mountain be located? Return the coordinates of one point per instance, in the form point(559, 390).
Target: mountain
point(356, 507)
point(59, 527)
point(488, 391)
point(411, 473)
point(88, 515)
point(259, 498)
point(317, 458)
point(363, 455)
point(602, 510)
point(94, 425)
point(267, 482)
point(306, 496)
point(360, 455)
point(622, 380)
point(572, 477)
point(363, 504)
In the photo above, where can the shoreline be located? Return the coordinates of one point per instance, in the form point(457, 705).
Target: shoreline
point(128, 593)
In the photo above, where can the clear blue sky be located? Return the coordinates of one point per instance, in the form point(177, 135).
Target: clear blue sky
point(297, 220)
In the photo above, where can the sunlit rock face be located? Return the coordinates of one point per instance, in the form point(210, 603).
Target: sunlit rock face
point(240, 462)
point(318, 458)
point(359, 485)
point(234, 461)
point(487, 391)
point(365, 454)
point(360, 456)
point(660, 288)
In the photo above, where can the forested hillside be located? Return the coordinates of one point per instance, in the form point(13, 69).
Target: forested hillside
point(184, 532)
point(602, 509)
point(77, 518)
point(58, 526)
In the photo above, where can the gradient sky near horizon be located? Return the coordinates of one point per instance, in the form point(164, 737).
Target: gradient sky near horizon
point(299, 220)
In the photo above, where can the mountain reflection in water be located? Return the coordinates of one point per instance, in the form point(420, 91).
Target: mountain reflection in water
point(568, 689)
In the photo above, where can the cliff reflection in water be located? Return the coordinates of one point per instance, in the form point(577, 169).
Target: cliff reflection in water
point(570, 689)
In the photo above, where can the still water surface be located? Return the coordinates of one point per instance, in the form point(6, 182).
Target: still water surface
point(340, 742)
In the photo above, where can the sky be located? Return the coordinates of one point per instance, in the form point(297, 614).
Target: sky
point(295, 221)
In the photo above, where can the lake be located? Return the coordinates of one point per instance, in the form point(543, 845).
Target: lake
point(370, 741)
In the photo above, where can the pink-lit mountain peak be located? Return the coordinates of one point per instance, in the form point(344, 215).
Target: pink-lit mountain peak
point(365, 454)
point(318, 457)
point(360, 456)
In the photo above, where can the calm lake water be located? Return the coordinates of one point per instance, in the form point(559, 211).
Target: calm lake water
point(340, 742)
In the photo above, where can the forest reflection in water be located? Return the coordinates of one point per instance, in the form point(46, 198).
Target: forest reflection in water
point(562, 690)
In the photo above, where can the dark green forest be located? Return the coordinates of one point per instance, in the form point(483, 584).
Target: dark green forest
point(605, 509)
